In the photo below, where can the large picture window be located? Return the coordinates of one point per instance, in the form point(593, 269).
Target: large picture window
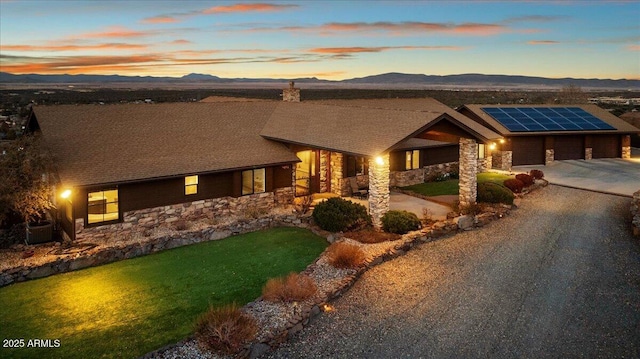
point(253, 181)
point(191, 185)
point(356, 166)
point(412, 160)
point(102, 206)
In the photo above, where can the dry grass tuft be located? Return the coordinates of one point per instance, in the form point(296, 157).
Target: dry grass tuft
point(345, 255)
point(370, 236)
point(225, 329)
point(294, 287)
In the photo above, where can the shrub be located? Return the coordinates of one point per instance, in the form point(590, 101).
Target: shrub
point(303, 204)
point(338, 215)
point(345, 255)
point(537, 174)
point(514, 184)
point(525, 178)
point(225, 329)
point(491, 192)
point(294, 287)
point(400, 222)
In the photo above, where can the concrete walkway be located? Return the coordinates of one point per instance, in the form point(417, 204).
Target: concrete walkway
point(400, 201)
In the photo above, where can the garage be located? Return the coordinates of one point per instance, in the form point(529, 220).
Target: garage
point(568, 147)
point(606, 146)
point(527, 150)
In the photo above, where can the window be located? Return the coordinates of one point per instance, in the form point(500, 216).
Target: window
point(481, 149)
point(102, 206)
point(356, 166)
point(191, 185)
point(412, 160)
point(253, 181)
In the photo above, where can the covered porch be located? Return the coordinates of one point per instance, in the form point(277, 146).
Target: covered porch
point(331, 136)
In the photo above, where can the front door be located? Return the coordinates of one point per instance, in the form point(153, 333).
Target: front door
point(306, 173)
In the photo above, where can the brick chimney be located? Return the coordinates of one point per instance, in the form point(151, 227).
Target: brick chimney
point(291, 94)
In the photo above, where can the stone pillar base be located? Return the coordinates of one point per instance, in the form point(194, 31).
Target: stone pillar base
point(588, 153)
point(378, 189)
point(468, 172)
point(549, 157)
point(626, 152)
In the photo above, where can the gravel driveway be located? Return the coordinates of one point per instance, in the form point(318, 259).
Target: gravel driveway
point(560, 277)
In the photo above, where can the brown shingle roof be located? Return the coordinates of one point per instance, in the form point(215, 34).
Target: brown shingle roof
point(620, 125)
point(115, 143)
point(363, 127)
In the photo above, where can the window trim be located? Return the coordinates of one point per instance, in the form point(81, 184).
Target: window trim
point(253, 181)
point(482, 151)
point(188, 185)
point(103, 222)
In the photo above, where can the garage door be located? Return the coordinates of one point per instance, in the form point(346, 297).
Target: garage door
point(606, 146)
point(527, 150)
point(568, 148)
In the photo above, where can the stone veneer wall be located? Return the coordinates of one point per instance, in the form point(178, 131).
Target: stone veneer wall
point(139, 221)
point(588, 153)
point(378, 189)
point(336, 172)
point(325, 157)
point(626, 152)
point(484, 164)
point(635, 213)
point(549, 156)
point(468, 171)
point(502, 160)
point(406, 178)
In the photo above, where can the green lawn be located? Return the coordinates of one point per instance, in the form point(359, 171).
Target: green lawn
point(128, 308)
point(450, 187)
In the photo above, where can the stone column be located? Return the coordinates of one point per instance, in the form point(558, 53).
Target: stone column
point(291, 94)
point(549, 156)
point(507, 160)
point(588, 153)
point(468, 172)
point(626, 146)
point(378, 188)
point(336, 172)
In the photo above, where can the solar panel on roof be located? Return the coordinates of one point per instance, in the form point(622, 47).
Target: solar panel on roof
point(539, 119)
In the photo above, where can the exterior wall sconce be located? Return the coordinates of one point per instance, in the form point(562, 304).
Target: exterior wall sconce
point(66, 193)
point(379, 160)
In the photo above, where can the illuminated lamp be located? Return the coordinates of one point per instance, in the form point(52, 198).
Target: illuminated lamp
point(379, 160)
point(66, 193)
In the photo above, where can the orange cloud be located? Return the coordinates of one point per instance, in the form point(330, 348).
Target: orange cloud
point(396, 28)
point(543, 42)
point(357, 49)
point(180, 42)
point(107, 46)
point(251, 7)
point(114, 32)
point(86, 64)
point(162, 19)
point(633, 47)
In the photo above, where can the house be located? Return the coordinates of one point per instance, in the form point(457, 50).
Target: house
point(129, 167)
point(540, 134)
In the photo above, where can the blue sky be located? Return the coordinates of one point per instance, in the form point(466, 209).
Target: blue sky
point(326, 39)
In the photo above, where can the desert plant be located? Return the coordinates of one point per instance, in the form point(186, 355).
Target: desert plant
point(337, 215)
point(537, 174)
point(491, 192)
point(293, 287)
point(515, 185)
point(345, 255)
point(525, 178)
point(225, 329)
point(400, 222)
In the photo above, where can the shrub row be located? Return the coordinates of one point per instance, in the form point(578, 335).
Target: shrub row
point(400, 222)
point(491, 192)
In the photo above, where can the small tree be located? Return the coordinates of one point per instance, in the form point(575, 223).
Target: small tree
point(25, 181)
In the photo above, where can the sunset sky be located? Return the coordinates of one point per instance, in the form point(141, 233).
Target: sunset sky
point(326, 39)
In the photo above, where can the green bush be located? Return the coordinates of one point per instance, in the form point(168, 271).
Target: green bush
point(400, 222)
point(339, 215)
point(491, 192)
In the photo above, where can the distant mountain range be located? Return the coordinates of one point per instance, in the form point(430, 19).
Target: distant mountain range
point(393, 78)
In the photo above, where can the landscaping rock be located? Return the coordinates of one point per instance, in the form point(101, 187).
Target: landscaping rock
point(465, 222)
point(258, 350)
